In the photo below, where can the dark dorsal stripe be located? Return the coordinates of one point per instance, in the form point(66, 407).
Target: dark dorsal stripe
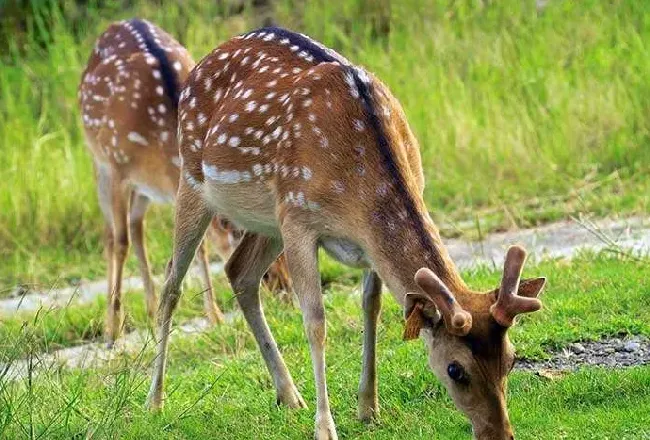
point(320, 53)
point(167, 72)
point(366, 94)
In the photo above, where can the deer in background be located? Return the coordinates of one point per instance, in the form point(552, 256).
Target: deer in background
point(128, 98)
point(304, 150)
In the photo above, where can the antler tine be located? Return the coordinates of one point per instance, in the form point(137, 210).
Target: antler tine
point(457, 320)
point(509, 304)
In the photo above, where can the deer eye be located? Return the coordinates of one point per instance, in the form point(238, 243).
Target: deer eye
point(457, 373)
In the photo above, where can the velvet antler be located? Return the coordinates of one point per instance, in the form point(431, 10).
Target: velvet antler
point(509, 304)
point(457, 320)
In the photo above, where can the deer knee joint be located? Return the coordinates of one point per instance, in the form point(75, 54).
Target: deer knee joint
point(136, 224)
point(121, 245)
point(315, 327)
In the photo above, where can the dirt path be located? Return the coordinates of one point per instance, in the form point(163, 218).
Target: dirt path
point(86, 291)
point(563, 239)
point(95, 353)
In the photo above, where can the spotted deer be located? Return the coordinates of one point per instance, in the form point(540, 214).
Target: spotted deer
point(304, 150)
point(128, 97)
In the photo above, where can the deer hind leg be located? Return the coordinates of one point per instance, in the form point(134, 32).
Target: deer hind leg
point(302, 257)
point(192, 219)
point(245, 269)
point(368, 401)
point(211, 309)
point(277, 279)
point(119, 197)
point(139, 205)
point(103, 179)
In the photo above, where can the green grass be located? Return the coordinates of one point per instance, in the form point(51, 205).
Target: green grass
point(218, 385)
point(235, 400)
point(522, 117)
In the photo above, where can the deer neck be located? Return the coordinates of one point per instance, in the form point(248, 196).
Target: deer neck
point(399, 245)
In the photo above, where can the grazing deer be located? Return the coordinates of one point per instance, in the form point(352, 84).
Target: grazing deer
point(128, 97)
point(304, 150)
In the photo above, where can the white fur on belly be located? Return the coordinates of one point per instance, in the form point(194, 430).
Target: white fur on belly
point(250, 206)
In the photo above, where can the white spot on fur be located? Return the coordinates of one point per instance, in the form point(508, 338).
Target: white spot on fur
point(137, 138)
point(234, 141)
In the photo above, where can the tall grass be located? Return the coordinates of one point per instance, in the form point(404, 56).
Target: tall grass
point(515, 109)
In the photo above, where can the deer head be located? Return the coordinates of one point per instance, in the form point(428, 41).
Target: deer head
point(467, 339)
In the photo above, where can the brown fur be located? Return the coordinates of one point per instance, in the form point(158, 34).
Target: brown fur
point(327, 183)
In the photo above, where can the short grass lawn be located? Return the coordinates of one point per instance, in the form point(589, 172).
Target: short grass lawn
point(218, 385)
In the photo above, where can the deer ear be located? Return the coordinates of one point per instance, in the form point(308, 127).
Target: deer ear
point(414, 322)
point(531, 287)
point(419, 312)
